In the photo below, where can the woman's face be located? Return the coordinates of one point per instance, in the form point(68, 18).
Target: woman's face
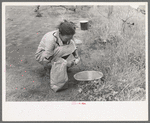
point(66, 38)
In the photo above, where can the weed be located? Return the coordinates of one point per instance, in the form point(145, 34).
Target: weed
point(119, 56)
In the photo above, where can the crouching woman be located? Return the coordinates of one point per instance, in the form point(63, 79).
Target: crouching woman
point(53, 50)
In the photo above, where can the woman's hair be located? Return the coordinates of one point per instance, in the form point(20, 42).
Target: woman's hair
point(66, 28)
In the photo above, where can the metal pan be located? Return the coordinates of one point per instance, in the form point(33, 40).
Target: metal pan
point(88, 75)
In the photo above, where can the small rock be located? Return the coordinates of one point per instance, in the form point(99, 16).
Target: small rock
point(80, 90)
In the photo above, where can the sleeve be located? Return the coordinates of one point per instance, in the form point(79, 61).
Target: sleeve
point(73, 41)
point(49, 47)
point(75, 53)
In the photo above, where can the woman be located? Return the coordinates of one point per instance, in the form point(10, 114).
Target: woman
point(54, 48)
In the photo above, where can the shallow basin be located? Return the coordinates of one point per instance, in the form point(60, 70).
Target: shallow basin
point(88, 75)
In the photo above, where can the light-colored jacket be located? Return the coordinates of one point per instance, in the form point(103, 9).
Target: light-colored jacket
point(52, 47)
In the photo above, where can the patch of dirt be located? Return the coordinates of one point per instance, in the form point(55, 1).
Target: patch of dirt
point(25, 78)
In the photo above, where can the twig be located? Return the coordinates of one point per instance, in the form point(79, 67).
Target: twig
point(123, 89)
point(134, 98)
point(124, 21)
point(102, 15)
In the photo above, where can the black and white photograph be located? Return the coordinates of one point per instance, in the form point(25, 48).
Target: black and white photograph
point(76, 54)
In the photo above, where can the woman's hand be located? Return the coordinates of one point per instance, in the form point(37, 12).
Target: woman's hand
point(73, 62)
point(77, 60)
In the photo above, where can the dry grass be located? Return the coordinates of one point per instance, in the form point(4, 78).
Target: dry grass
point(118, 51)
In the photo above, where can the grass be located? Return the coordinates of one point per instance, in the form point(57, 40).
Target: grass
point(118, 54)
point(110, 46)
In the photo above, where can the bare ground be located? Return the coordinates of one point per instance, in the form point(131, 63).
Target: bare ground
point(25, 78)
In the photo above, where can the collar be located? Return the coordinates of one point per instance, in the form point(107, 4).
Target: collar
point(57, 35)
